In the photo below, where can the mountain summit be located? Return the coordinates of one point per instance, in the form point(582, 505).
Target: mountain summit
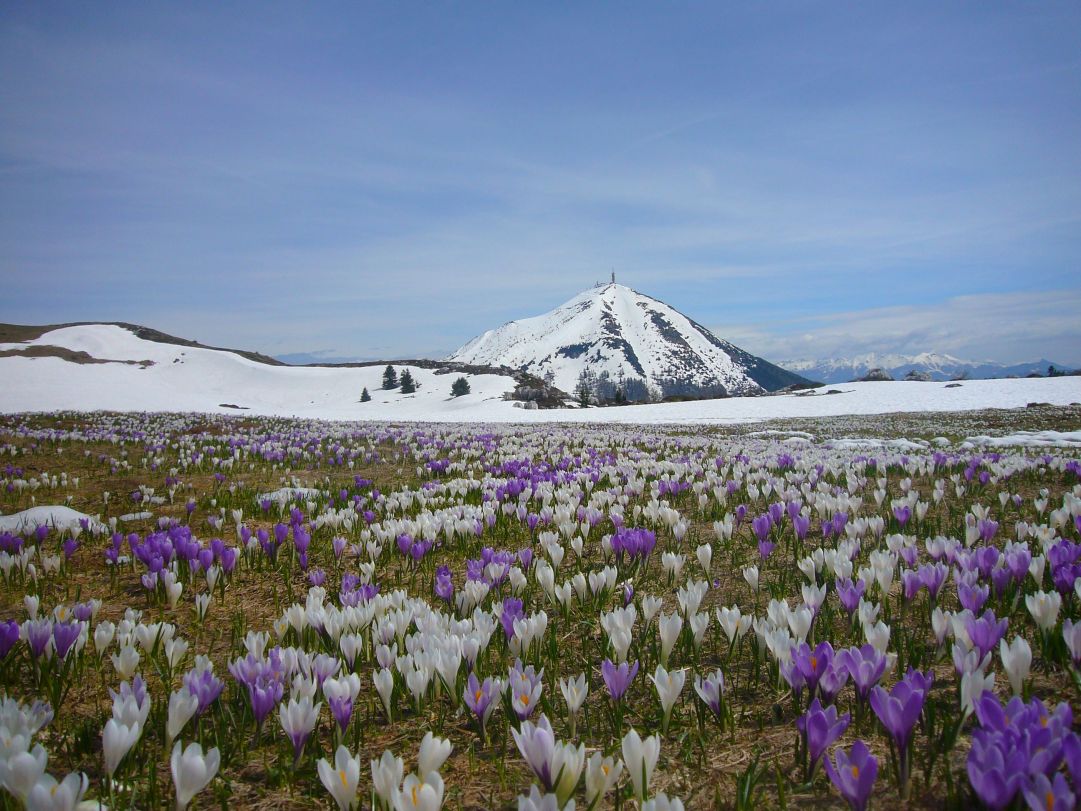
point(615, 334)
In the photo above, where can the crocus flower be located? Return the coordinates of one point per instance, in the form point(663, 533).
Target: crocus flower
point(526, 686)
point(574, 693)
point(556, 765)
point(1043, 794)
point(640, 757)
point(9, 635)
point(481, 697)
point(298, 719)
point(819, 729)
point(618, 679)
point(865, 665)
point(812, 664)
point(342, 779)
point(854, 774)
point(48, 793)
point(117, 739)
point(1016, 661)
point(898, 711)
point(850, 594)
point(192, 771)
point(711, 690)
point(669, 685)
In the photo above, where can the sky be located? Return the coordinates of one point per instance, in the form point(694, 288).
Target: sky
point(388, 180)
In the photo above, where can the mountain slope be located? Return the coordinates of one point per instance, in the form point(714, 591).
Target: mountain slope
point(616, 330)
point(129, 368)
point(937, 365)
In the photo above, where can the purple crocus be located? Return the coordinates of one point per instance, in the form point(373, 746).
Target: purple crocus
point(618, 679)
point(444, 584)
point(854, 774)
point(205, 686)
point(865, 665)
point(39, 633)
point(265, 693)
point(9, 635)
point(526, 686)
point(972, 596)
point(812, 664)
point(986, 631)
point(761, 525)
point(819, 728)
point(850, 594)
point(512, 610)
point(899, 710)
point(1045, 794)
point(480, 697)
point(65, 634)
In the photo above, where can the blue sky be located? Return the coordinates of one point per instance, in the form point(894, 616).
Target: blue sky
point(388, 180)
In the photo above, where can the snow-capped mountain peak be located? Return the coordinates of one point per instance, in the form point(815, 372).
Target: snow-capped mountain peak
point(617, 331)
point(933, 365)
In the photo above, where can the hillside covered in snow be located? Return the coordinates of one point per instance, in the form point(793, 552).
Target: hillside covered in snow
point(108, 367)
point(633, 341)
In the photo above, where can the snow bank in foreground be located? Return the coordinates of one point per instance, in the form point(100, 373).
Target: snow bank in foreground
point(61, 519)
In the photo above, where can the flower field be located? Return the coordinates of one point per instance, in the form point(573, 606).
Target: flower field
point(871, 612)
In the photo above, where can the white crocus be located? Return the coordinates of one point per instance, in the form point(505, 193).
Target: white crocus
point(669, 686)
point(704, 553)
point(602, 773)
point(1044, 607)
point(640, 758)
point(420, 795)
point(972, 687)
point(342, 779)
point(23, 770)
point(384, 685)
point(192, 771)
point(574, 693)
point(669, 626)
point(127, 662)
point(182, 707)
point(433, 754)
point(117, 739)
point(750, 574)
point(1016, 661)
point(387, 777)
point(50, 795)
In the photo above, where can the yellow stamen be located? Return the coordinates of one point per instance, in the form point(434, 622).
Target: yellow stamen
point(856, 772)
point(341, 776)
point(1049, 799)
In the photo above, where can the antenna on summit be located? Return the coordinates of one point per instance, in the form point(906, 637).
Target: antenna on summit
point(613, 277)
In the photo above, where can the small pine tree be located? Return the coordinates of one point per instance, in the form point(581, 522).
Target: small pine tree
point(459, 387)
point(390, 378)
point(409, 385)
point(364, 396)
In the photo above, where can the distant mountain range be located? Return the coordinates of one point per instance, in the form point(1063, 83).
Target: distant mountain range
point(936, 365)
point(616, 337)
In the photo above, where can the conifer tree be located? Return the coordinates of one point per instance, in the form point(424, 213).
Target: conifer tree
point(390, 378)
point(459, 387)
point(409, 385)
point(364, 396)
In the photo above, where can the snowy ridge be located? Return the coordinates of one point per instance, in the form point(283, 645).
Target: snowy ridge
point(937, 365)
point(616, 330)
